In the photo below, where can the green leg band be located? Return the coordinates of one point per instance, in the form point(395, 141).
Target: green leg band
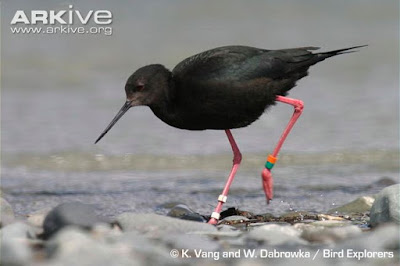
point(269, 165)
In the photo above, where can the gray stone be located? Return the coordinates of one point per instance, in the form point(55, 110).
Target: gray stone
point(323, 234)
point(331, 223)
point(149, 252)
point(37, 218)
point(235, 219)
point(274, 234)
point(362, 204)
point(226, 228)
point(297, 216)
point(15, 252)
point(18, 230)
point(70, 214)
point(6, 213)
point(182, 211)
point(154, 225)
point(386, 207)
point(190, 241)
point(73, 246)
point(384, 238)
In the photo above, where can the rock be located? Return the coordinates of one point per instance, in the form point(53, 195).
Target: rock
point(73, 246)
point(297, 216)
point(265, 217)
point(235, 219)
point(384, 238)
point(15, 252)
point(323, 234)
point(226, 228)
point(6, 213)
point(385, 181)
point(37, 218)
point(386, 207)
point(15, 240)
point(70, 214)
point(362, 204)
point(154, 225)
point(326, 217)
point(191, 242)
point(331, 223)
point(148, 251)
point(273, 234)
point(18, 230)
point(182, 211)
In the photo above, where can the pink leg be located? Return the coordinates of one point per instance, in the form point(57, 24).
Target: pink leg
point(237, 158)
point(266, 173)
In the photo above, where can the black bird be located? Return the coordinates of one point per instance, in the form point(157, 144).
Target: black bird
point(224, 88)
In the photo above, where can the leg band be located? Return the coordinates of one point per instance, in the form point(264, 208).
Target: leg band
point(222, 198)
point(271, 160)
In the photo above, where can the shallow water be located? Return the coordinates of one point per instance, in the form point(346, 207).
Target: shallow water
point(59, 92)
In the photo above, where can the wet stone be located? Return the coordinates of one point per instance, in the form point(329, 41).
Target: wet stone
point(235, 219)
point(360, 205)
point(70, 214)
point(297, 216)
point(182, 211)
point(265, 217)
point(386, 207)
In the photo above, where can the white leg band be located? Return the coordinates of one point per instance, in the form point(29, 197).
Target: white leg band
point(215, 215)
point(222, 198)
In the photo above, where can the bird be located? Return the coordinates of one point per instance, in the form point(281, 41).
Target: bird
point(224, 88)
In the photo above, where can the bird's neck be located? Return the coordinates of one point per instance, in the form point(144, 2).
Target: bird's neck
point(166, 107)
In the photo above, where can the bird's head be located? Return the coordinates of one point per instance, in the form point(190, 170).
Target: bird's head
point(144, 87)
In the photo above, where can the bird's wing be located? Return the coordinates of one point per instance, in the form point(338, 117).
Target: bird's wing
point(215, 63)
point(243, 63)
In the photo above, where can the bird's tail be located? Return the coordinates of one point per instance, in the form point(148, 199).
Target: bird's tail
point(339, 51)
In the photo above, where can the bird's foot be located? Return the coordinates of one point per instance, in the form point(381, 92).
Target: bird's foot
point(213, 221)
point(267, 183)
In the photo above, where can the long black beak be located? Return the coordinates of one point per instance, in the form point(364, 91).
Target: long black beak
point(121, 112)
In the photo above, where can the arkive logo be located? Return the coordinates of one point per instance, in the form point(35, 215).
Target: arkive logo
point(63, 17)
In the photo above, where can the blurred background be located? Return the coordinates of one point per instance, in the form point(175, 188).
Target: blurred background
point(60, 91)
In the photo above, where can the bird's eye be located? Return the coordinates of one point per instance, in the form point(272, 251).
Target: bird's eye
point(139, 87)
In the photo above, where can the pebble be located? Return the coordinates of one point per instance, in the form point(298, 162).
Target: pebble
point(384, 238)
point(362, 204)
point(323, 234)
point(235, 219)
point(70, 214)
point(37, 218)
point(6, 213)
point(182, 211)
point(191, 242)
point(15, 241)
point(18, 230)
point(15, 252)
point(154, 225)
point(274, 234)
point(386, 207)
point(297, 216)
point(73, 246)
